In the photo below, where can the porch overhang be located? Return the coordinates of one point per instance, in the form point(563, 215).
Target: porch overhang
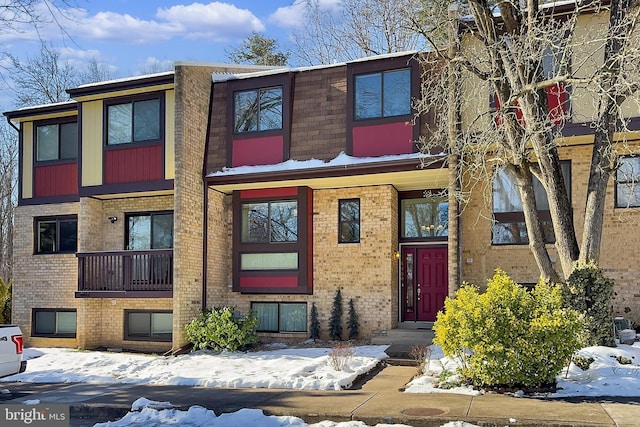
point(404, 175)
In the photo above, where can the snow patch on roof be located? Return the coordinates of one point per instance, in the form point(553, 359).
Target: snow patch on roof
point(238, 76)
point(126, 79)
point(341, 160)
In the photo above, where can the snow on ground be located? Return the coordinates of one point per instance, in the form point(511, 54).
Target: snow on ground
point(613, 372)
point(287, 368)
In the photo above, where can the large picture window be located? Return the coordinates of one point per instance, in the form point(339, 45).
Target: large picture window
point(57, 141)
point(270, 222)
point(56, 234)
point(628, 182)
point(150, 230)
point(133, 121)
point(257, 110)
point(54, 323)
point(424, 217)
point(383, 94)
point(509, 227)
point(148, 325)
point(281, 317)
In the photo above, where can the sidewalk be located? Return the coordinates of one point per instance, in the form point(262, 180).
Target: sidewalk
point(378, 401)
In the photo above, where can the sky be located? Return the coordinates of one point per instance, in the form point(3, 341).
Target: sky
point(612, 372)
point(132, 36)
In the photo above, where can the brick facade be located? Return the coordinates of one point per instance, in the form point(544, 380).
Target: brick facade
point(620, 243)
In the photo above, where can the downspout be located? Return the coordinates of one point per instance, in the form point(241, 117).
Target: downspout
point(205, 230)
point(205, 198)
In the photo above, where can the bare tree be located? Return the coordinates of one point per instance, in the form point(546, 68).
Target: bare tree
point(8, 198)
point(42, 79)
point(530, 59)
point(358, 28)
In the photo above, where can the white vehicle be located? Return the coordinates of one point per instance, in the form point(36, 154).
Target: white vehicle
point(11, 347)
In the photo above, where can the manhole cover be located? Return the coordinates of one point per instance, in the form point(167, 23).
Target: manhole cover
point(423, 412)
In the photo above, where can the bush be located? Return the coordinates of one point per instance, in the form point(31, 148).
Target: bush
point(335, 322)
point(590, 293)
point(508, 336)
point(219, 329)
point(353, 325)
point(315, 323)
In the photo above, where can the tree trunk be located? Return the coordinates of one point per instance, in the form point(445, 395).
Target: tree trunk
point(524, 179)
point(603, 156)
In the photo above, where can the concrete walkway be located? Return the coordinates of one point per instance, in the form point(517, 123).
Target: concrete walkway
point(379, 400)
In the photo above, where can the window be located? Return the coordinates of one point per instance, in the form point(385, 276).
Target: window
point(424, 217)
point(349, 221)
point(150, 231)
point(383, 94)
point(509, 227)
point(53, 323)
point(133, 121)
point(281, 317)
point(57, 141)
point(56, 234)
point(627, 180)
point(270, 222)
point(257, 110)
point(148, 325)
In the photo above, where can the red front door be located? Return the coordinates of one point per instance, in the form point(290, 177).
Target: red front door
point(424, 282)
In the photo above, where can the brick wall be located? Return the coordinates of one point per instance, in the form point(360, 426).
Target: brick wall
point(193, 89)
point(365, 271)
point(319, 116)
point(41, 281)
point(620, 243)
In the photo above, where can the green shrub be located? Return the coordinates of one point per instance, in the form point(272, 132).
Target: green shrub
point(219, 329)
point(335, 321)
point(314, 328)
point(508, 336)
point(590, 293)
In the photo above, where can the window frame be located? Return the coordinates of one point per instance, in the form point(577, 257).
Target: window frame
point(160, 96)
point(258, 91)
point(518, 216)
point(150, 214)
point(382, 74)
point(357, 223)
point(35, 311)
point(59, 122)
point(270, 220)
point(272, 278)
point(128, 337)
point(58, 220)
point(417, 195)
point(279, 305)
point(633, 183)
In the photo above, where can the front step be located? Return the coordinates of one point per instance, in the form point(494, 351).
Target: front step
point(401, 341)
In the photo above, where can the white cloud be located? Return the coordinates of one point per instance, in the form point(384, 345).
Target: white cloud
point(215, 21)
point(293, 16)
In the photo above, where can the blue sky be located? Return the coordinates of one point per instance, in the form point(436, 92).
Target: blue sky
point(128, 35)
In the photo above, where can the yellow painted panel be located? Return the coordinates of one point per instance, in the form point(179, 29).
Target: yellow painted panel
point(91, 143)
point(169, 135)
point(27, 160)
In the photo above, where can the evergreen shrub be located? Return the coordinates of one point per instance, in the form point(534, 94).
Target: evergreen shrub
point(218, 329)
point(589, 292)
point(335, 322)
point(508, 336)
point(315, 323)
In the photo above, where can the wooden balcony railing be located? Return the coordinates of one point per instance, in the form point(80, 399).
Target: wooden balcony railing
point(140, 274)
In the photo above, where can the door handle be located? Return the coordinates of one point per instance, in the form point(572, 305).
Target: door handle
point(419, 292)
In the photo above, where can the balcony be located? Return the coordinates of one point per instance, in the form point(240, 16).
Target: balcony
point(125, 274)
